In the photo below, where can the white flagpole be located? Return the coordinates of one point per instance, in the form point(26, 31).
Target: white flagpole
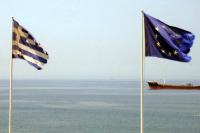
point(10, 90)
point(142, 80)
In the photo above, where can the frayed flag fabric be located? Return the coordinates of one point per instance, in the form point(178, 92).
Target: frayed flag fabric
point(165, 41)
point(24, 46)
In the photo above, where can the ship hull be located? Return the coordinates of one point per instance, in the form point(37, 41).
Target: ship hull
point(157, 86)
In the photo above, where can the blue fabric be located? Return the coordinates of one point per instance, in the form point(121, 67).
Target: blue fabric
point(165, 41)
point(32, 49)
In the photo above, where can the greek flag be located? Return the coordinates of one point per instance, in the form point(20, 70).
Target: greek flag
point(27, 48)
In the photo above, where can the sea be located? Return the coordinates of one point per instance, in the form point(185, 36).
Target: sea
point(101, 106)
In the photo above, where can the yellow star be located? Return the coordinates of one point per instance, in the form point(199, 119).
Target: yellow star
point(158, 44)
point(162, 50)
point(157, 28)
point(178, 41)
point(177, 35)
point(175, 52)
point(156, 36)
point(169, 54)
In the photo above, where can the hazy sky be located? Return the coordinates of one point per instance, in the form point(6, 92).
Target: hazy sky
point(96, 39)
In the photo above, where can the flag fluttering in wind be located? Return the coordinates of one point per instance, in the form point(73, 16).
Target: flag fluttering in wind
point(26, 47)
point(165, 41)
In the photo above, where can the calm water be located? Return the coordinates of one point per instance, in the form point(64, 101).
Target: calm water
point(97, 107)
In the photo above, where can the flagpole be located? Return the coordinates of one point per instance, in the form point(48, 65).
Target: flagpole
point(142, 80)
point(10, 90)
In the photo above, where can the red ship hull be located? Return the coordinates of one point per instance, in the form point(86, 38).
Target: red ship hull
point(157, 86)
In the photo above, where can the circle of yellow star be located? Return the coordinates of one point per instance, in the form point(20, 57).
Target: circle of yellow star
point(157, 28)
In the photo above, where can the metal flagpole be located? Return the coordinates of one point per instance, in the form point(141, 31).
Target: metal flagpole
point(10, 90)
point(142, 80)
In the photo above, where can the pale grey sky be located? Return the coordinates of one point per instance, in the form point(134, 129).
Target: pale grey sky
point(96, 39)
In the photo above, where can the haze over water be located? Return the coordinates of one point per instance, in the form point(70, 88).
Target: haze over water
point(97, 107)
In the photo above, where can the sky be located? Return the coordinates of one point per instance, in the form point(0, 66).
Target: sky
point(96, 39)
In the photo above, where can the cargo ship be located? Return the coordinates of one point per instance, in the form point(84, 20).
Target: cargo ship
point(158, 86)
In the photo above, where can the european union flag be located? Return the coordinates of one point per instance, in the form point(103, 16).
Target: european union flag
point(165, 41)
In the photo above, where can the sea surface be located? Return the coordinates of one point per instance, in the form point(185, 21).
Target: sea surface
point(76, 106)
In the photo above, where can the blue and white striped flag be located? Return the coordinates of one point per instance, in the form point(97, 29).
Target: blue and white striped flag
point(26, 47)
